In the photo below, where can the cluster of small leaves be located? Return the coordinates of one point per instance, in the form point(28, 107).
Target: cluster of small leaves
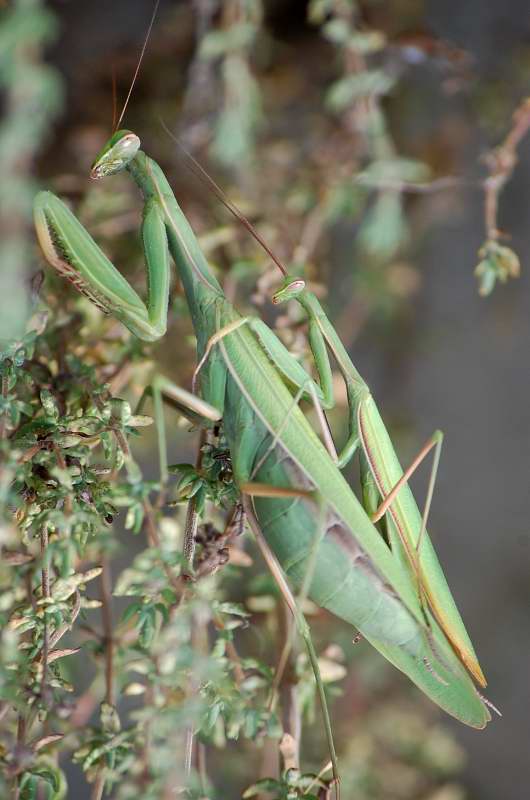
point(230, 46)
point(106, 747)
point(63, 442)
point(188, 680)
point(497, 263)
point(239, 709)
point(31, 98)
point(66, 472)
point(212, 481)
point(292, 785)
point(336, 18)
point(373, 188)
point(63, 417)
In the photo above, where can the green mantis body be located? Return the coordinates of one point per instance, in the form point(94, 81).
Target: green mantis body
point(393, 590)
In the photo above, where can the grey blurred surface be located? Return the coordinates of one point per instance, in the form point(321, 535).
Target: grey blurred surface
point(474, 382)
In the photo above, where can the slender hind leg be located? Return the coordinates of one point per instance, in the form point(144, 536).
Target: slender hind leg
point(301, 624)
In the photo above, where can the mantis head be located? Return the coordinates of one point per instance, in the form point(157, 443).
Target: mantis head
point(118, 151)
point(289, 290)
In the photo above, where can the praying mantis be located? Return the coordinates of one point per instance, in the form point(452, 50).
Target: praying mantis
point(369, 561)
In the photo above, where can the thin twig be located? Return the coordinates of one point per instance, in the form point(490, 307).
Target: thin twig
point(108, 645)
point(21, 738)
point(59, 633)
point(416, 187)
point(501, 163)
point(68, 507)
point(99, 786)
point(45, 583)
point(188, 554)
point(281, 582)
point(291, 712)
point(106, 616)
point(190, 533)
point(5, 391)
point(154, 541)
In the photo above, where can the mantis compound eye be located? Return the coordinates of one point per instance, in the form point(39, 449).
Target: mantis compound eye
point(290, 289)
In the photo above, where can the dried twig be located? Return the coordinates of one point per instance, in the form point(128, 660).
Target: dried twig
point(45, 583)
point(106, 616)
point(501, 163)
point(498, 262)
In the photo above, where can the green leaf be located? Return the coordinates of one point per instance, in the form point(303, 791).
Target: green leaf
point(131, 610)
point(232, 608)
point(498, 263)
point(218, 43)
point(346, 90)
point(264, 785)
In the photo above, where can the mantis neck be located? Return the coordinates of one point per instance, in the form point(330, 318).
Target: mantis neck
point(315, 311)
point(200, 285)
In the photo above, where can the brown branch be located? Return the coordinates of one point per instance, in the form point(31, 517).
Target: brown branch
point(108, 638)
point(153, 540)
point(59, 633)
point(68, 507)
point(108, 644)
point(3, 421)
point(45, 583)
point(501, 163)
point(290, 707)
point(99, 785)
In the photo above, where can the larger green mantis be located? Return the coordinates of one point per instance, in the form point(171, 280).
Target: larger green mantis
point(391, 587)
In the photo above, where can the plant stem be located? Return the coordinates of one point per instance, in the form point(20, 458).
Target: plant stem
point(106, 616)
point(45, 583)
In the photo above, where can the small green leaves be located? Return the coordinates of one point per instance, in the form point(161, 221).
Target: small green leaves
point(221, 42)
point(65, 587)
point(49, 404)
point(146, 620)
point(384, 229)
point(497, 263)
point(213, 481)
point(352, 87)
point(291, 786)
point(44, 781)
point(110, 721)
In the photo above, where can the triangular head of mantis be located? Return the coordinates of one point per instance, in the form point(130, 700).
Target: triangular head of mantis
point(120, 149)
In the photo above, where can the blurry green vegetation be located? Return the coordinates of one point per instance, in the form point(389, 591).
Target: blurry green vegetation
point(32, 98)
point(119, 692)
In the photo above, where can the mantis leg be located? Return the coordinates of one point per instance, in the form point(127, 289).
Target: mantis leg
point(286, 364)
point(194, 408)
point(321, 395)
point(322, 336)
point(377, 508)
point(301, 624)
point(435, 441)
point(290, 368)
point(405, 526)
point(197, 411)
point(69, 248)
point(284, 361)
point(263, 490)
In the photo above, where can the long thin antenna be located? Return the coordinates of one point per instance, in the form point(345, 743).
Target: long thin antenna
point(201, 173)
point(114, 99)
point(139, 64)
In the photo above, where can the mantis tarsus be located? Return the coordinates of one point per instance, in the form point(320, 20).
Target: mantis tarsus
point(390, 587)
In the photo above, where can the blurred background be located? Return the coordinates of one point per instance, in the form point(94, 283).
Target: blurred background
point(354, 136)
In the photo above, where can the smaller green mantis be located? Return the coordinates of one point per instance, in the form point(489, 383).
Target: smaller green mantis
point(388, 582)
